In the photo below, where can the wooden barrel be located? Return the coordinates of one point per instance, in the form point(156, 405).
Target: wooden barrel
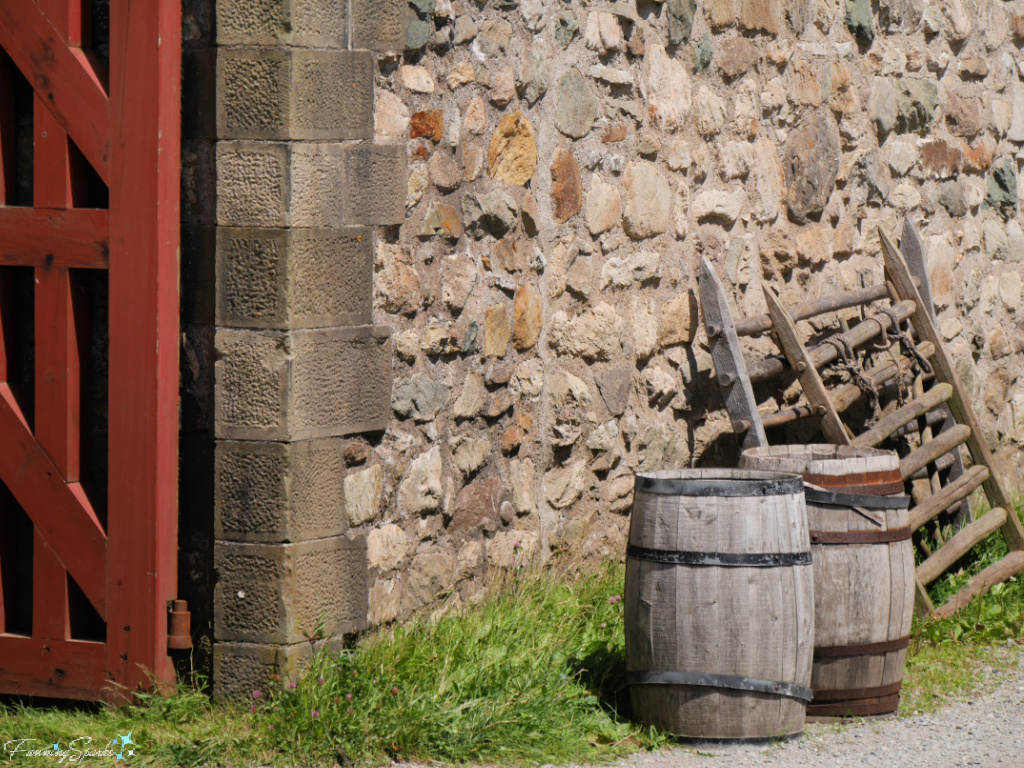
point(719, 605)
point(863, 573)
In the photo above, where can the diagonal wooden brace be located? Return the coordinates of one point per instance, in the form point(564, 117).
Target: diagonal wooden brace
point(814, 388)
point(59, 510)
point(730, 369)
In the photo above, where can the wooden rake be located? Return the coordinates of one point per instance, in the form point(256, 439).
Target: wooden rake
point(936, 408)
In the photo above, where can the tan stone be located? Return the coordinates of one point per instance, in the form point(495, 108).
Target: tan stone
point(461, 74)
point(761, 15)
point(679, 320)
point(814, 244)
point(471, 402)
point(564, 485)
point(422, 487)
point(472, 162)
point(649, 201)
point(496, 331)
point(469, 453)
point(998, 346)
point(566, 185)
point(386, 548)
point(363, 491)
point(721, 13)
point(385, 601)
point(593, 335)
point(669, 90)
point(503, 87)
point(521, 476)
point(417, 79)
point(512, 156)
point(604, 206)
point(476, 116)
point(391, 117)
point(527, 317)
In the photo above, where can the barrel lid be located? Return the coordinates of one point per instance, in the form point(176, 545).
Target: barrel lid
point(718, 482)
point(821, 459)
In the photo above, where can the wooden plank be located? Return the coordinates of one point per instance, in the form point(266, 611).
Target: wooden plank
point(30, 237)
point(52, 668)
point(59, 510)
point(145, 142)
point(996, 573)
point(822, 355)
point(7, 127)
point(961, 488)
point(59, 351)
point(926, 437)
point(960, 545)
point(908, 413)
point(50, 614)
point(814, 388)
point(761, 323)
point(57, 359)
point(932, 419)
point(730, 369)
point(941, 465)
point(897, 271)
point(67, 79)
point(930, 452)
point(913, 252)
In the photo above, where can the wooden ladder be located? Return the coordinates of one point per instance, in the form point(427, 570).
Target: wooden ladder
point(935, 409)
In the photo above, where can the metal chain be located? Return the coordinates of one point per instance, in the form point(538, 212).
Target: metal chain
point(847, 361)
point(886, 345)
point(905, 341)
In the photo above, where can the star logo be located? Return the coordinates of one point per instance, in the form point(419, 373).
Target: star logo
point(126, 740)
point(119, 756)
point(131, 752)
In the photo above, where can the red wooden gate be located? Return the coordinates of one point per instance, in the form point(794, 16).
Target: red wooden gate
point(89, 189)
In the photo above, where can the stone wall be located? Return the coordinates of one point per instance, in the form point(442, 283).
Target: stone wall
point(283, 185)
point(568, 165)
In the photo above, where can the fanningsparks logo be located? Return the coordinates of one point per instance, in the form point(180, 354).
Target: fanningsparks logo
point(75, 751)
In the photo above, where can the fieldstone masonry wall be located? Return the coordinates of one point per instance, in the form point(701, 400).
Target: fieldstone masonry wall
point(569, 164)
point(526, 187)
point(283, 186)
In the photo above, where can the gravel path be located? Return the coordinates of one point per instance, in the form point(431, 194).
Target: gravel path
point(986, 732)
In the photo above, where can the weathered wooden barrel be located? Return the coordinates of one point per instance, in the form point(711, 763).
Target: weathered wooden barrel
point(863, 573)
point(719, 607)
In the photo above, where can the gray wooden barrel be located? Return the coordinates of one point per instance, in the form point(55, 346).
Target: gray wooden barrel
point(719, 606)
point(863, 573)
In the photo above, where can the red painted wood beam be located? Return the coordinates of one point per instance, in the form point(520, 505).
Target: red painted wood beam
point(73, 669)
point(7, 126)
point(59, 510)
point(67, 79)
point(30, 237)
point(145, 165)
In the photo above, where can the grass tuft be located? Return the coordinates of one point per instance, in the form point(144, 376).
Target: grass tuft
point(535, 674)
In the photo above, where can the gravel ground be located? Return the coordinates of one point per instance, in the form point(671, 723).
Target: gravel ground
point(988, 731)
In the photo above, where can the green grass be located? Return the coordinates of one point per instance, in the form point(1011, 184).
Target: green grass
point(533, 675)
